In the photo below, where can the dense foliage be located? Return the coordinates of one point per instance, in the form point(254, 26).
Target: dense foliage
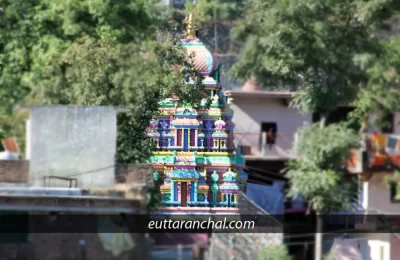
point(318, 175)
point(325, 50)
point(382, 93)
point(274, 252)
point(309, 46)
point(214, 19)
point(92, 53)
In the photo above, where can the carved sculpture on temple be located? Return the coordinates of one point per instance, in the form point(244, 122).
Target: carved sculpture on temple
point(214, 187)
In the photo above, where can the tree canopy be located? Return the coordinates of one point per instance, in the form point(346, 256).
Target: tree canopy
point(86, 52)
point(382, 92)
point(318, 48)
point(309, 46)
point(318, 174)
point(274, 252)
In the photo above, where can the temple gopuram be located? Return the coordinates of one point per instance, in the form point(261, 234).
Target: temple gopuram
point(195, 153)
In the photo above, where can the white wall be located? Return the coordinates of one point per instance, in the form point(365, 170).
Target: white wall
point(376, 248)
point(376, 195)
point(372, 246)
point(249, 113)
point(28, 140)
point(74, 142)
point(396, 123)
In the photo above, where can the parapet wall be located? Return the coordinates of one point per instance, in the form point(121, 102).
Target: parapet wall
point(14, 171)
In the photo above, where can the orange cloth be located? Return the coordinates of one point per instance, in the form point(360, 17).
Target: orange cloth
point(379, 139)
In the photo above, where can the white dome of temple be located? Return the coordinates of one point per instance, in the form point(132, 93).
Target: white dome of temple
point(203, 60)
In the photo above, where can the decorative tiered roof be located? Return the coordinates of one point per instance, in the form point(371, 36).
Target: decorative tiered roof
point(194, 147)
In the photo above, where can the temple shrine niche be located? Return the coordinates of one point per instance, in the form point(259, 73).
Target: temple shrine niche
point(195, 152)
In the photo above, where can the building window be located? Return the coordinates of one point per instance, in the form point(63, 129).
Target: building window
point(394, 190)
point(387, 122)
point(269, 129)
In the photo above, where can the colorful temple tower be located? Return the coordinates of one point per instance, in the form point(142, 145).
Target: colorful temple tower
point(195, 152)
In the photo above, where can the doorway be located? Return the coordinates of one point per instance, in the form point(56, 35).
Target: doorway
point(184, 189)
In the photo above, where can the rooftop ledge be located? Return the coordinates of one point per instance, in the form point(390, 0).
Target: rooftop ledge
point(76, 193)
point(259, 93)
point(268, 157)
point(29, 107)
point(89, 204)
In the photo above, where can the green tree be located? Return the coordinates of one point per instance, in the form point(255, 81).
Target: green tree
point(273, 253)
point(380, 97)
point(93, 53)
point(381, 94)
point(311, 46)
point(214, 19)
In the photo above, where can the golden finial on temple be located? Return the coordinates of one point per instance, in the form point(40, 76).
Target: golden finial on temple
point(191, 33)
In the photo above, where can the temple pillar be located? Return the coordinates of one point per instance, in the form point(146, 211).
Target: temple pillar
point(235, 198)
point(196, 138)
point(174, 191)
point(195, 191)
point(192, 191)
point(189, 137)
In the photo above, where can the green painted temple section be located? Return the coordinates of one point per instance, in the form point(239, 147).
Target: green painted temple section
point(195, 152)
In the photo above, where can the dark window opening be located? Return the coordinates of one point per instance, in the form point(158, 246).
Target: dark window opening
point(15, 227)
point(393, 193)
point(270, 129)
point(339, 115)
point(258, 178)
point(192, 137)
point(179, 137)
point(388, 120)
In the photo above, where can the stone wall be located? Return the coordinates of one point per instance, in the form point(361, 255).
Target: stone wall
point(14, 171)
point(140, 174)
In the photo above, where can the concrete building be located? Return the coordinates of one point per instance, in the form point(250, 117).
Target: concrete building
point(72, 143)
point(265, 127)
point(256, 112)
point(25, 203)
point(70, 170)
point(265, 130)
point(377, 199)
